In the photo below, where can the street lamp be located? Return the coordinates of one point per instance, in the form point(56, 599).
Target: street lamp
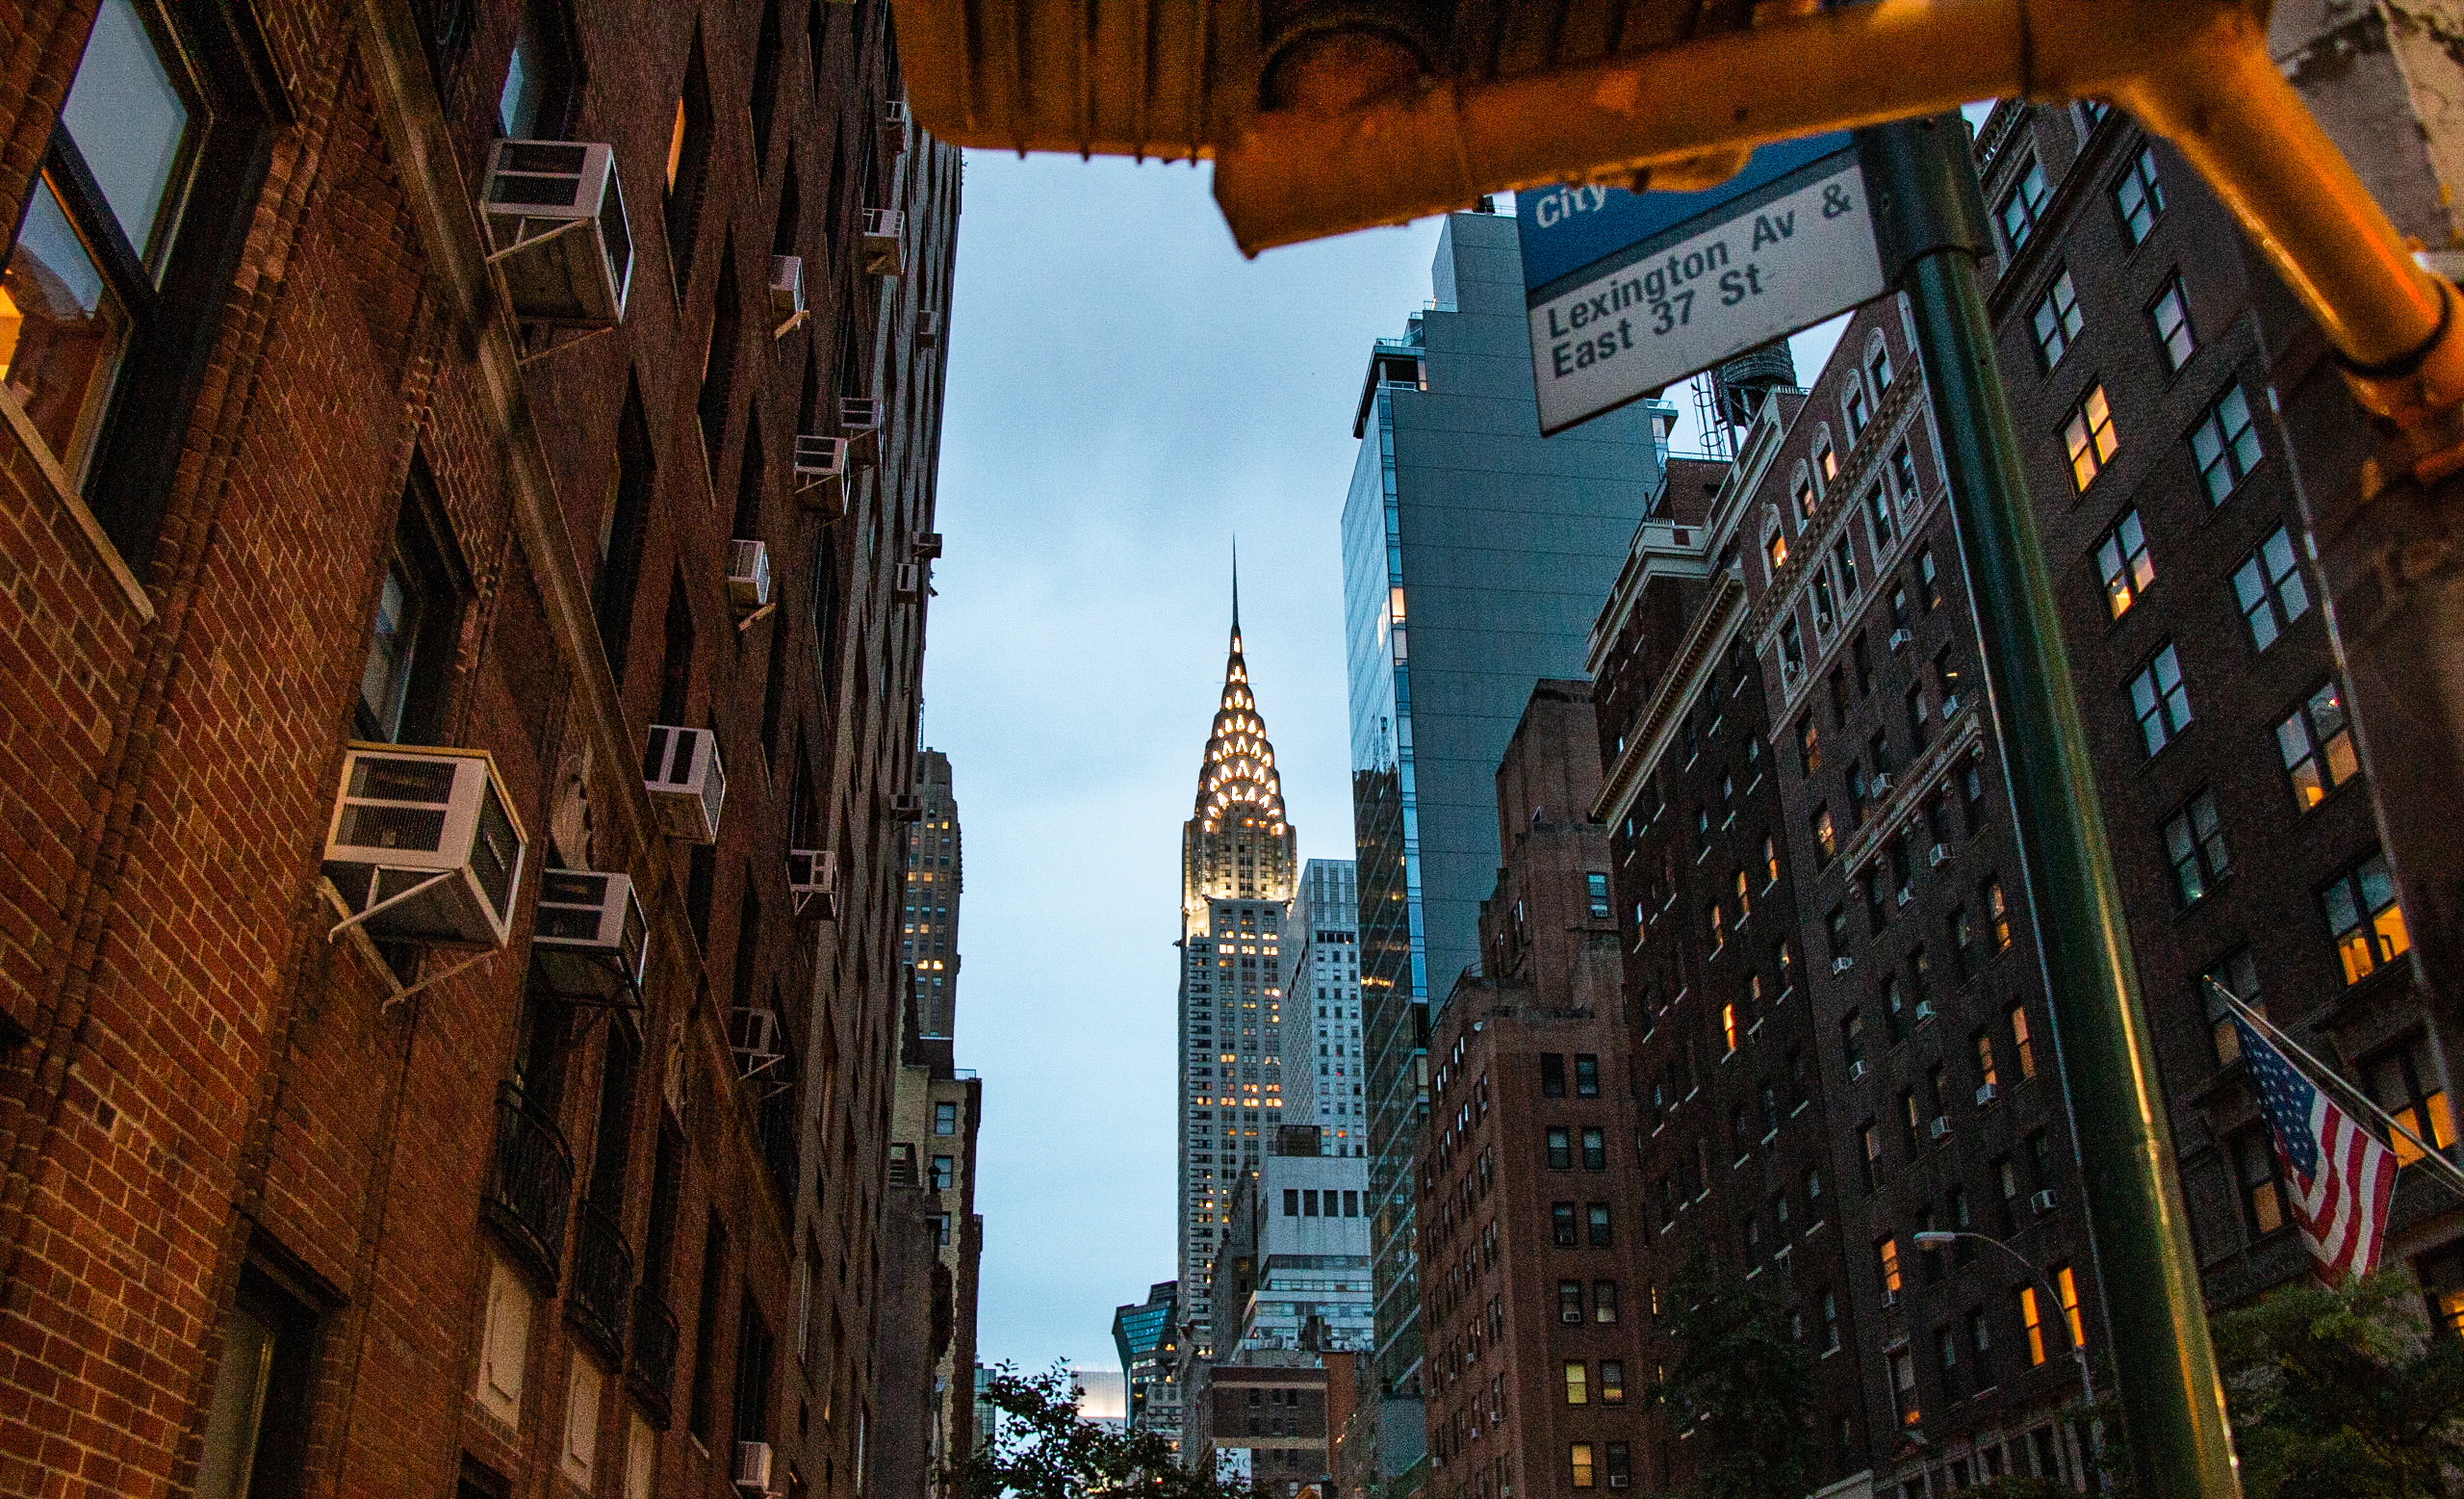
point(1936, 1240)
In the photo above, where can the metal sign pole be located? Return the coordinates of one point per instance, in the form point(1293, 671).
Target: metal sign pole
point(1929, 225)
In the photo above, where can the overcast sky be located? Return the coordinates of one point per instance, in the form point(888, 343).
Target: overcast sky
point(1125, 392)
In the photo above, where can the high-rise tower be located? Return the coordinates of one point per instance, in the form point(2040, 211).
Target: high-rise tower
point(1237, 858)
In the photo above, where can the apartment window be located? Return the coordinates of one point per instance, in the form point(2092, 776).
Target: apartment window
point(689, 159)
point(1596, 1216)
point(945, 1119)
point(2121, 556)
point(2022, 1044)
point(1887, 1262)
point(1620, 1466)
point(1596, 888)
point(623, 529)
point(1570, 1299)
point(2239, 975)
point(1603, 1300)
point(1586, 1075)
point(1595, 1150)
point(1878, 517)
point(2403, 1080)
point(2195, 846)
point(2022, 205)
point(1578, 1462)
point(1612, 1382)
point(945, 1173)
point(700, 1409)
point(2055, 320)
point(2363, 919)
point(1854, 407)
point(125, 254)
point(1929, 582)
point(1830, 1321)
point(1728, 1025)
point(1836, 927)
point(2262, 1190)
point(1578, 1382)
point(1552, 1075)
point(1852, 1036)
point(1903, 472)
point(2317, 745)
point(764, 99)
point(1808, 746)
point(1560, 1149)
point(1878, 370)
point(1985, 1072)
point(2160, 699)
point(2270, 588)
point(2171, 314)
point(1792, 648)
point(1561, 1225)
point(1869, 1154)
point(2226, 444)
point(2088, 436)
point(256, 1426)
point(539, 76)
point(1997, 913)
point(754, 1354)
point(2139, 197)
point(2032, 1318)
point(1776, 550)
point(418, 623)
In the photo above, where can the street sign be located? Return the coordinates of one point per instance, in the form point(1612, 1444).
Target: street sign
point(1784, 244)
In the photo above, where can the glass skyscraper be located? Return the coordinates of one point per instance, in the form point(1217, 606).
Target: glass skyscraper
point(1476, 556)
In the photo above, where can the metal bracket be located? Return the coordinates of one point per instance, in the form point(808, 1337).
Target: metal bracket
point(396, 900)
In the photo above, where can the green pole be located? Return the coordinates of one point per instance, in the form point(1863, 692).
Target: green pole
point(1930, 225)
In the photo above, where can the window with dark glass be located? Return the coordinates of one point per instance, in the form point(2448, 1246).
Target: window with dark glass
point(2226, 444)
point(1561, 1225)
point(2139, 197)
point(1586, 1075)
point(416, 625)
point(689, 159)
point(2195, 846)
point(540, 76)
point(1560, 1149)
point(2270, 590)
point(2055, 320)
point(1552, 1075)
point(256, 1418)
point(1595, 1150)
point(2022, 205)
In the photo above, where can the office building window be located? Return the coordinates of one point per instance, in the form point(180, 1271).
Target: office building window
point(2090, 437)
point(2121, 557)
point(2195, 846)
point(2226, 444)
point(2171, 314)
point(2055, 320)
point(2363, 919)
point(2270, 588)
point(2160, 699)
point(2139, 197)
point(2317, 745)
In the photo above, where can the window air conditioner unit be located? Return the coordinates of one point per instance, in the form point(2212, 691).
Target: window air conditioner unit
point(897, 130)
point(423, 846)
point(786, 292)
point(1891, 1298)
point(1904, 895)
point(859, 414)
point(1857, 1070)
point(1900, 637)
point(813, 880)
point(753, 1466)
point(1924, 1011)
point(1937, 856)
point(1940, 1127)
point(821, 472)
point(752, 1035)
point(681, 771)
point(748, 575)
point(927, 547)
point(2043, 1200)
point(910, 580)
point(556, 233)
point(1986, 1094)
point(906, 807)
point(1619, 1480)
point(928, 327)
point(590, 940)
point(884, 236)
point(1840, 966)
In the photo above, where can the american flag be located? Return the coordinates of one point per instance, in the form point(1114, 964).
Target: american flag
point(2339, 1174)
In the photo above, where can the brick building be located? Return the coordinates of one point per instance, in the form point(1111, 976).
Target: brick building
point(1736, 1118)
point(287, 464)
point(2144, 345)
point(1536, 1373)
point(934, 1248)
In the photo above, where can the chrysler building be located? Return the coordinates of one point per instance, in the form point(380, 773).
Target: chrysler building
point(1237, 866)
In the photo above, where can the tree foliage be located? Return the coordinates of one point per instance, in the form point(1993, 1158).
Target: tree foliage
point(1043, 1450)
point(2343, 1394)
point(1743, 1386)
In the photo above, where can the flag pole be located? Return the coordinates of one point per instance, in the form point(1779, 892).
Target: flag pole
point(2449, 1174)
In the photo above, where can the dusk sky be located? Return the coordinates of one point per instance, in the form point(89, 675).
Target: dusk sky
point(1125, 395)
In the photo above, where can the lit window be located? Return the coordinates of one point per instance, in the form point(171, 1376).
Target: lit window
point(1728, 1024)
point(1778, 550)
point(2270, 588)
point(2363, 919)
point(2226, 444)
point(1577, 1383)
point(2089, 435)
point(1612, 1382)
point(2022, 1043)
point(2026, 201)
point(2160, 701)
point(2031, 1317)
point(2195, 844)
point(2171, 314)
point(2139, 197)
point(2055, 320)
point(2316, 744)
point(2254, 1167)
point(1580, 1459)
point(2122, 558)
point(2239, 976)
point(2402, 1081)
point(1887, 1262)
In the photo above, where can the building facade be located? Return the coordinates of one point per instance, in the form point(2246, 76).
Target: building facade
point(1531, 1217)
point(1502, 543)
point(934, 1248)
point(935, 879)
point(1323, 1063)
point(1239, 863)
point(1146, 1334)
point(514, 1181)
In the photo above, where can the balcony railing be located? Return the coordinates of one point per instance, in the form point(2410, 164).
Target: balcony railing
point(531, 1186)
point(603, 1279)
point(650, 1374)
